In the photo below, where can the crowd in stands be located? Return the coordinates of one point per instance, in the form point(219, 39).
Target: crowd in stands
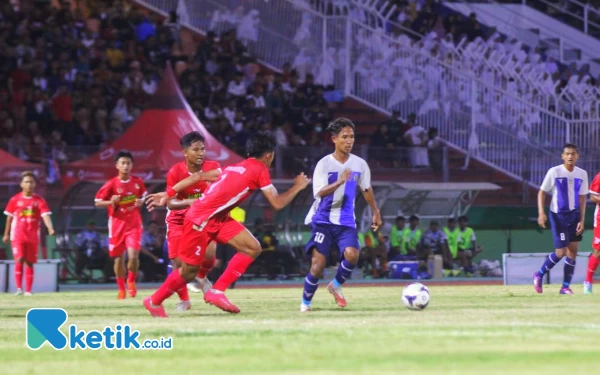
point(73, 81)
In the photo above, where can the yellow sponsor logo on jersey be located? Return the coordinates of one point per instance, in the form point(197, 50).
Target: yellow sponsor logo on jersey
point(128, 199)
point(194, 196)
point(27, 212)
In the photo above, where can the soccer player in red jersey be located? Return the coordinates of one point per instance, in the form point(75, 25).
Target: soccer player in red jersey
point(193, 151)
point(208, 220)
point(123, 196)
point(24, 211)
point(594, 259)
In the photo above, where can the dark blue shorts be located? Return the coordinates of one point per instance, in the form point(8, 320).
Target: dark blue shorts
point(325, 236)
point(564, 228)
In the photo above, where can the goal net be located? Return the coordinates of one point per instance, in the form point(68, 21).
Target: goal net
point(518, 268)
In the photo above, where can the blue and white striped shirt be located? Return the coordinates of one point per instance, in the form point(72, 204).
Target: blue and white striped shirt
point(338, 208)
point(565, 187)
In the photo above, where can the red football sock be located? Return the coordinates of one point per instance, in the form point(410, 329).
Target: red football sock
point(131, 277)
point(172, 284)
point(183, 293)
point(236, 268)
point(593, 263)
point(28, 278)
point(19, 275)
point(121, 283)
point(206, 266)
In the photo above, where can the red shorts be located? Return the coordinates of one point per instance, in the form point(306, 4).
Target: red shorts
point(26, 250)
point(123, 238)
point(195, 241)
point(173, 238)
point(596, 241)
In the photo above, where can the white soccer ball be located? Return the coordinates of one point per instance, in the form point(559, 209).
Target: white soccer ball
point(415, 296)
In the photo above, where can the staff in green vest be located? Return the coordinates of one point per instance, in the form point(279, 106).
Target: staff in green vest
point(452, 236)
point(411, 237)
point(396, 237)
point(467, 248)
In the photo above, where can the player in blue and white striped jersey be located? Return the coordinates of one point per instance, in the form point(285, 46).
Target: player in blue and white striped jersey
point(335, 181)
point(568, 185)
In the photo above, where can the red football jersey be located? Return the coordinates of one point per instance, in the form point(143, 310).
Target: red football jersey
point(595, 190)
point(235, 184)
point(178, 173)
point(129, 190)
point(26, 213)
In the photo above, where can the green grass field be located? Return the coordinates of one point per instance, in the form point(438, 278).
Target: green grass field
point(465, 330)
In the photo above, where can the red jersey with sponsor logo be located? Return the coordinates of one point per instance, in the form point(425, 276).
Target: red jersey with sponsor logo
point(235, 184)
point(178, 173)
point(129, 190)
point(26, 213)
point(595, 190)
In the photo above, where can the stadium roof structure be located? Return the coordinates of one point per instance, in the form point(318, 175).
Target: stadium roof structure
point(153, 139)
point(11, 168)
point(428, 200)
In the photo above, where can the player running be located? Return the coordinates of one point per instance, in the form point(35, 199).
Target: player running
point(24, 211)
point(193, 151)
point(336, 179)
point(594, 259)
point(208, 220)
point(569, 187)
point(123, 196)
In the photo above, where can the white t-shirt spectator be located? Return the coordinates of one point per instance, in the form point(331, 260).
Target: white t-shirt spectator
point(416, 134)
point(149, 87)
point(236, 89)
point(258, 100)
point(229, 114)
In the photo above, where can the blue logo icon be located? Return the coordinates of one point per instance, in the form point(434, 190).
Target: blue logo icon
point(43, 325)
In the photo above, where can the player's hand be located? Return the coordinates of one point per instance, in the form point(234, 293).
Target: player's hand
point(115, 199)
point(5, 239)
point(542, 220)
point(139, 202)
point(156, 200)
point(346, 175)
point(301, 181)
point(377, 222)
point(51, 232)
point(580, 228)
point(209, 176)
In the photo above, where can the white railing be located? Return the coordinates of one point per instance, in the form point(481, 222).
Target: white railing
point(389, 73)
point(588, 17)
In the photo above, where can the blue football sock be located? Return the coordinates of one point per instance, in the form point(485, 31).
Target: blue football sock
point(550, 262)
point(343, 272)
point(569, 270)
point(311, 283)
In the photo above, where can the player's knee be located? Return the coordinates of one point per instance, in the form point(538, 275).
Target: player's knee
point(351, 254)
point(317, 265)
point(253, 248)
point(176, 263)
point(596, 253)
point(188, 272)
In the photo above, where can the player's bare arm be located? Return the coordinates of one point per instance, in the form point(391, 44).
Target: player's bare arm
point(279, 201)
point(331, 188)
point(179, 204)
point(541, 213)
point(9, 220)
point(595, 198)
point(114, 201)
point(161, 199)
point(581, 224)
point(48, 223)
point(370, 198)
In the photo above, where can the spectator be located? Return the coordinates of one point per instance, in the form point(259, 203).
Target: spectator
point(91, 253)
point(152, 265)
point(467, 248)
point(416, 138)
point(397, 238)
point(434, 242)
point(375, 250)
point(434, 150)
point(411, 237)
point(270, 258)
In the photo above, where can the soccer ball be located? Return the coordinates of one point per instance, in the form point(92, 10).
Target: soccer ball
point(415, 296)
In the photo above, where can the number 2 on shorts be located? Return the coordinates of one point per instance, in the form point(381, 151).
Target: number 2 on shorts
point(198, 250)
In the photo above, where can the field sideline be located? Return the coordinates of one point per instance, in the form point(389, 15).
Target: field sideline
point(491, 329)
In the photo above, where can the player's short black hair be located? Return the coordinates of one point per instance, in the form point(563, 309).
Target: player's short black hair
point(451, 220)
point(28, 174)
point(413, 217)
point(336, 126)
point(123, 154)
point(152, 222)
point(570, 145)
point(463, 218)
point(187, 140)
point(400, 218)
point(260, 143)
